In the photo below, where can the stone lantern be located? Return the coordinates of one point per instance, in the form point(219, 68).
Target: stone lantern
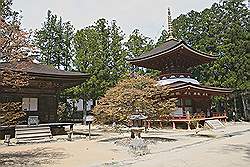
point(137, 125)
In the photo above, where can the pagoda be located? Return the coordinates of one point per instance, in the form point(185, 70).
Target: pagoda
point(173, 59)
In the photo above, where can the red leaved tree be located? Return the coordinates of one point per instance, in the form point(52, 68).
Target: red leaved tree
point(134, 95)
point(14, 44)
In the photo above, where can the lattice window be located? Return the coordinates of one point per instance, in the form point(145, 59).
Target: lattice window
point(30, 104)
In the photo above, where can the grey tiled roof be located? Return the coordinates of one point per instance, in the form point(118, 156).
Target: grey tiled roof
point(167, 46)
point(181, 85)
point(164, 47)
point(39, 69)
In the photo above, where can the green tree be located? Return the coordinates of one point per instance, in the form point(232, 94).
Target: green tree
point(134, 95)
point(100, 52)
point(117, 63)
point(163, 38)
point(5, 9)
point(136, 45)
point(55, 42)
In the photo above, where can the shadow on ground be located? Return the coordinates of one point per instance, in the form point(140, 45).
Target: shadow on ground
point(34, 157)
point(239, 148)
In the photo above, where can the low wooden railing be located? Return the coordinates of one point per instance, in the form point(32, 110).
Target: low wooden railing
point(217, 114)
point(184, 118)
point(187, 117)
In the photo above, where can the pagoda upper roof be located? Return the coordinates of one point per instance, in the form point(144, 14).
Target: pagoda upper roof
point(172, 52)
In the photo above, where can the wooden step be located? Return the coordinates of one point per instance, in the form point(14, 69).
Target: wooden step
point(32, 133)
point(31, 127)
point(35, 140)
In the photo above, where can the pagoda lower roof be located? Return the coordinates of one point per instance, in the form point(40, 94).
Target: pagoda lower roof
point(198, 88)
point(174, 79)
point(172, 52)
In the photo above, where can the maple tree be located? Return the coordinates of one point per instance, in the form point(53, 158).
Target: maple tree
point(14, 45)
point(135, 95)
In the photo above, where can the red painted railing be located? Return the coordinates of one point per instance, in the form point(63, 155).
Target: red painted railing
point(184, 118)
point(187, 117)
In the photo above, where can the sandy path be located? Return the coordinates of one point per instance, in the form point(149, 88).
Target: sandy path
point(223, 152)
point(83, 153)
point(78, 153)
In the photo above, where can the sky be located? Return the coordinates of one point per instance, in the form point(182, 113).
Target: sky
point(149, 16)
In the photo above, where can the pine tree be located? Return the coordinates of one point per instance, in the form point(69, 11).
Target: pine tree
point(100, 52)
point(136, 45)
point(55, 42)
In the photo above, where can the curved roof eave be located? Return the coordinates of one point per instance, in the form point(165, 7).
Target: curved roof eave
point(147, 55)
point(58, 76)
point(173, 48)
point(39, 70)
point(200, 53)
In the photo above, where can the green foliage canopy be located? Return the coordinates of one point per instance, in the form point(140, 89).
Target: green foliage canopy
point(5, 9)
point(136, 45)
point(100, 52)
point(55, 42)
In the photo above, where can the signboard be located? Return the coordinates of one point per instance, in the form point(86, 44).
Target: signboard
point(33, 120)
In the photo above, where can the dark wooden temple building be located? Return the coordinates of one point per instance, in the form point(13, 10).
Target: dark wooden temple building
point(40, 97)
point(174, 59)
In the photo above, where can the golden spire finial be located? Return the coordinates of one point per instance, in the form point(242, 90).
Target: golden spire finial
point(170, 30)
